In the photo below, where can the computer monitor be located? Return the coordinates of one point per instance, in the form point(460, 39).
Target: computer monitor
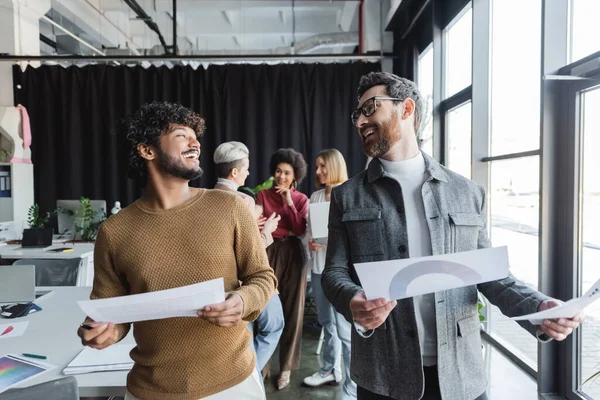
point(66, 222)
point(17, 283)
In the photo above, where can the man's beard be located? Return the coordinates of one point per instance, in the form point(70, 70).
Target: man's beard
point(387, 136)
point(175, 167)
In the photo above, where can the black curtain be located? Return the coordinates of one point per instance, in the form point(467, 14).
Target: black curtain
point(75, 111)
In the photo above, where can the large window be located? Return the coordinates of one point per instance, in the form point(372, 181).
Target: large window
point(506, 108)
point(516, 65)
point(515, 179)
point(585, 29)
point(458, 128)
point(589, 242)
point(459, 39)
point(425, 83)
point(514, 205)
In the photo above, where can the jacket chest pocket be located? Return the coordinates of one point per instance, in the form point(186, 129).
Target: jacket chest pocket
point(464, 231)
point(364, 227)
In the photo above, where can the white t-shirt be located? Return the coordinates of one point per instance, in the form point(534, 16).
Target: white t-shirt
point(411, 174)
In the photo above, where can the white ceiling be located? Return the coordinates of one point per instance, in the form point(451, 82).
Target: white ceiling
point(219, 27)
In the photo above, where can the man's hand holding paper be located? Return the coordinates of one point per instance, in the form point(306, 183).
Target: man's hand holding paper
point(558, 329)
point(226, 313)
point(370, 314)
point(100, 336)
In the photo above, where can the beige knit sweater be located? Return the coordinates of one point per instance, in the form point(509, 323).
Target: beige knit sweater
point(140, 250)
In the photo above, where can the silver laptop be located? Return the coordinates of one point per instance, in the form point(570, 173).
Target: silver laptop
point(17, 283)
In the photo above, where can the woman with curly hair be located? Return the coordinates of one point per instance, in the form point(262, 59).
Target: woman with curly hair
point(286, 255)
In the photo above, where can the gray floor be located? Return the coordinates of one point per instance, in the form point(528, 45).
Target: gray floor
point(506, 380)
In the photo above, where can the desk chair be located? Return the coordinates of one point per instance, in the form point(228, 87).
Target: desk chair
point(59, 389)
point(54, 272)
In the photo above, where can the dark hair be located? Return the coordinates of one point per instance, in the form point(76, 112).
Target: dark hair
point(395, 86)
point(292, 157)
point(146, 126)
point(224, 169)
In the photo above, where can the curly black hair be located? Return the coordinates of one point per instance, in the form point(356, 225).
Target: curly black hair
point(147, 125)
point(292, 157)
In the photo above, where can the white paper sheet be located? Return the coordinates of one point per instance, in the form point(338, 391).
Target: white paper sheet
point(13, 329)
point(399, 279)
point(319, 220)
point(113, 358)
point(568, 310)
point(184, 301)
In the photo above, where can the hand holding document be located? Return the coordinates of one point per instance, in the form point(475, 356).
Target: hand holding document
point(183, 301)
point(319, 220)
point(399, 279)
point(568, 310)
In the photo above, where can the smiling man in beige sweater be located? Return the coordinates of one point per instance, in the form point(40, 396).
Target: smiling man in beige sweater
point(176, 235)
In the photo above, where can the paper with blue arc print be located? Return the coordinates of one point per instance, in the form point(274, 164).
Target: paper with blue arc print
point(399, 279)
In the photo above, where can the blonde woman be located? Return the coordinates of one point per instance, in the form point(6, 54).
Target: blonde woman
point(331, 171)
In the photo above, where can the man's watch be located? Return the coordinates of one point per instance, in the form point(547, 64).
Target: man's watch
point(362, 331)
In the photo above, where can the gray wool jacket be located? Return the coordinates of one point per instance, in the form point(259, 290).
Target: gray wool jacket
point(367, 223)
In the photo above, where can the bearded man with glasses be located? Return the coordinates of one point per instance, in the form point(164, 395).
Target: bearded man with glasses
point(403, 205)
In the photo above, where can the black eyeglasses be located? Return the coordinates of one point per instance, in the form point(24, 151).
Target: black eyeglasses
point(369, 107)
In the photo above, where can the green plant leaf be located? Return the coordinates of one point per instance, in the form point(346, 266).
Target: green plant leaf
point(268, 184)
point(595, 375)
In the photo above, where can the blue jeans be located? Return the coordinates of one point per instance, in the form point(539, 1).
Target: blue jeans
point(270, 326)
point(337, 334)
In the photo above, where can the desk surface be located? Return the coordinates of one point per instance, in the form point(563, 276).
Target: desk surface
point(53, 332)
point(15, 251)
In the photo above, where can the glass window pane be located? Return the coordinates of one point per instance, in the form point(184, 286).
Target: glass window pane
point(458, 124)
point(516, 36)
point(589, 252)
point(459, 49)
point(585, 29)
point(514, 205)
point(425, 83)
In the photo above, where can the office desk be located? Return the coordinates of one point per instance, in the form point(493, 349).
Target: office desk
point(53, 332)
point(84, 251)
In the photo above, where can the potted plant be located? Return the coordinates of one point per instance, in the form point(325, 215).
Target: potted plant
point(37, 234)
point(86, 221)
point(4, 155)
point(268, 184)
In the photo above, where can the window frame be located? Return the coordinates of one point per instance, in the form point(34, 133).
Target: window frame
point(561, 81)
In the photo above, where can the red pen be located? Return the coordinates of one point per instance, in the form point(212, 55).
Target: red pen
point(7, 330)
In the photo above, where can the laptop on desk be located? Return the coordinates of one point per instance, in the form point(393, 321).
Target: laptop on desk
point(17, 284)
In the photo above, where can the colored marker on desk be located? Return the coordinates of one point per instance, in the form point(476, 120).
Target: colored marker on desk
point(35, 356)
point(7, 330)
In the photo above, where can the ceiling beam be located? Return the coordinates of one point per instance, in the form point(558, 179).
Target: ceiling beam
point(347, 16)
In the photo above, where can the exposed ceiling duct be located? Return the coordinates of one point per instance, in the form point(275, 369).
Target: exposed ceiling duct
point(322, 41)
point(135, 6)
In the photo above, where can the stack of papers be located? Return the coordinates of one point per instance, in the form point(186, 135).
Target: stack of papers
point(113, 358)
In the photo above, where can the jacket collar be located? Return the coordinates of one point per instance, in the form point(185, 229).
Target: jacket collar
point(375, 169)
